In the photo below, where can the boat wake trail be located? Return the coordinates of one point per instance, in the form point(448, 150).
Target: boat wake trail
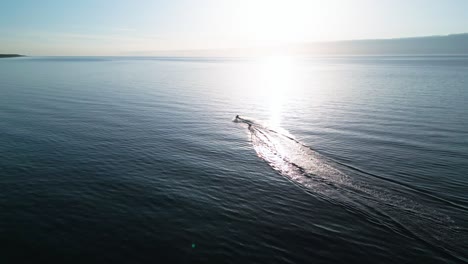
point(379, 202)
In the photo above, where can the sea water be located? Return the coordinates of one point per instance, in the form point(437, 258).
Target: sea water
point(138, 160)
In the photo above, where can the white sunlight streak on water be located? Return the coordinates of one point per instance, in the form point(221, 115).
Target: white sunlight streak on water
point(276, 77)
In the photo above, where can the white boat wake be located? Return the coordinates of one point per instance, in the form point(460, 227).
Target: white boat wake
point(377, 202)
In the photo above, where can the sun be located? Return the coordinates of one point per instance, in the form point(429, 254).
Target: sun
point(273, 22)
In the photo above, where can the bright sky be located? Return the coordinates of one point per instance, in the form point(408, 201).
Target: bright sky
point(123, 27)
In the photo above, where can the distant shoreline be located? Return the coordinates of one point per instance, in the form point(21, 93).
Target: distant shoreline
point(10, 55)
point(453, 44)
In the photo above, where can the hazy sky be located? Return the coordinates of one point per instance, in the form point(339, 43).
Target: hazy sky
point(119, 27)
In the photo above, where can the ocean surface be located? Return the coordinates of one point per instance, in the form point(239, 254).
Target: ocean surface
point(141, 160)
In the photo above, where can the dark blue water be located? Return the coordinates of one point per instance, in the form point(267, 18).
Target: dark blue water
point(138, 160)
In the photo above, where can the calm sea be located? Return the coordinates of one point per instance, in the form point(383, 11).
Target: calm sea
point(140, 160)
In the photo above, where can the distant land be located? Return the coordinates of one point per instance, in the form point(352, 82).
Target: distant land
point(10, 55)
point(454, 44)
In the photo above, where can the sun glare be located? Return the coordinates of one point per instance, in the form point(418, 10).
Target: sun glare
point(281, 22)
point(276, 77)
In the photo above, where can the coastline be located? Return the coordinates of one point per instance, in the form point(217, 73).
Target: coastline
point(10, 55)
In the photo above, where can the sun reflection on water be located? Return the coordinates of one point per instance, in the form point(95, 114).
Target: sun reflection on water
point(276, 78)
